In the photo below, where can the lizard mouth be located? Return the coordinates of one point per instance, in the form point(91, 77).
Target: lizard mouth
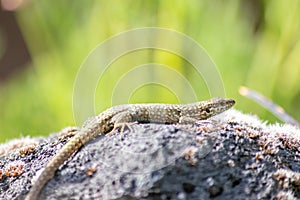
point(229, 102)
point(224, 102)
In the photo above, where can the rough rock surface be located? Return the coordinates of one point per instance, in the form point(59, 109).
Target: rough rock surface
point(231, 156)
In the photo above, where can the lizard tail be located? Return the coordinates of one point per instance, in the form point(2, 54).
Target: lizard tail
point(72, 146)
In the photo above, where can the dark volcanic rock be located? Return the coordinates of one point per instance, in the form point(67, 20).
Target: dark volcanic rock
point(231, 156)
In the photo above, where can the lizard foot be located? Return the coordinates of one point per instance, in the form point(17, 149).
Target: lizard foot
point(68, 132)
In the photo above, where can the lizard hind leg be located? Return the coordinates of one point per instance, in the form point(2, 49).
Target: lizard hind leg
point(120, 121)
point(121, 127)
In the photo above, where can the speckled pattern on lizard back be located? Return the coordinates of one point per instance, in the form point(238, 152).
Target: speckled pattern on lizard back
point(114, 116)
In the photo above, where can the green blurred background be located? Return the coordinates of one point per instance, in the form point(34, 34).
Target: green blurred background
point(254, 43)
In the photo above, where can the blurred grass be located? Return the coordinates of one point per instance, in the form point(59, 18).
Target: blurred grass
point(254, 43)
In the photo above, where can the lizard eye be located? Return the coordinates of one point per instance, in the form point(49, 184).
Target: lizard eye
point(207, 110)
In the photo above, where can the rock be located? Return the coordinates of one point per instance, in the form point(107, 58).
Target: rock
point(230, 156)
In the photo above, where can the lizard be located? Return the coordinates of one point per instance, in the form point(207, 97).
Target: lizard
point(120, 115)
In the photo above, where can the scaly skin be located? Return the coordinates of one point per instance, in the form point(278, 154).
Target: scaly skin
point(118, 115)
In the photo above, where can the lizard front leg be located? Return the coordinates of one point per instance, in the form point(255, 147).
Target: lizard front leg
point(190, 120)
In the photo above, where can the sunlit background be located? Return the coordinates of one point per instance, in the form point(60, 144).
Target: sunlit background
point(254, 43)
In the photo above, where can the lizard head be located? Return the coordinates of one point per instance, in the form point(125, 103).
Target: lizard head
point(205, 109)
point(216, 105)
